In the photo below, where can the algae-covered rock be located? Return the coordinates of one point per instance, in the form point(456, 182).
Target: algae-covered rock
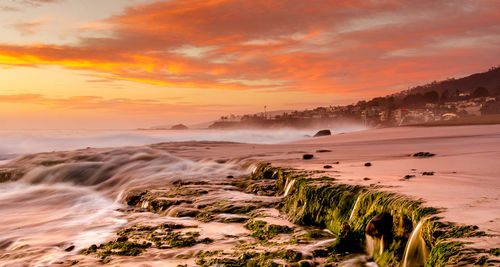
point(380, 225)
point(263, 231)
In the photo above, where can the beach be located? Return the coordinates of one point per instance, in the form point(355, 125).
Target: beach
point(221, 190)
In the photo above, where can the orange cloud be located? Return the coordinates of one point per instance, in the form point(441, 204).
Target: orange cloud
point(319, 46)
point(117, 105)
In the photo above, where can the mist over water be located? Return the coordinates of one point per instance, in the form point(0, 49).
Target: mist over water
point(17, 142)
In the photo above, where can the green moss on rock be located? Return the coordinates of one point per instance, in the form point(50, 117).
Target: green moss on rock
point(264, 231)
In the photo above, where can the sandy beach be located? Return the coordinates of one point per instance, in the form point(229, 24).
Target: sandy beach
point(465, 184)
point(191, 185)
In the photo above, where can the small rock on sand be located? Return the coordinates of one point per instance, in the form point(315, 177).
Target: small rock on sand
point(368, 164)
point(409, 176)
point(327, 166)
point(323, 150)
point(307, 156)
point(423, 154)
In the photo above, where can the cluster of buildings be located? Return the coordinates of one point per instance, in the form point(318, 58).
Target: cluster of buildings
point(385, 112)
point(386, 116)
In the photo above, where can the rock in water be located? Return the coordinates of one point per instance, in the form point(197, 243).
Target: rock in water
point(323, 133)
point(380, 225)
point(179, 127)
point(122, 239)
point(307, 156)
point(345, 230)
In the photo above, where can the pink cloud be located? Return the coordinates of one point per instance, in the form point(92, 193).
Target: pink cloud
point(323, 46)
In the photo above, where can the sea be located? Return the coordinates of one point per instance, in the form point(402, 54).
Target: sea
point(77, 203)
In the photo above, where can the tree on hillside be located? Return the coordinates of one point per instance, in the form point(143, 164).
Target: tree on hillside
point(431, 97)
point(444, 97)
point(480, 92)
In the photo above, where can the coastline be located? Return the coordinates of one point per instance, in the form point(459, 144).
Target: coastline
point(388, 150)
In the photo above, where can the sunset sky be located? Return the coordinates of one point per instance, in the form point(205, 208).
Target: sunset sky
point(140, 63)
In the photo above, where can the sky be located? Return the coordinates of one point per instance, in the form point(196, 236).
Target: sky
point(73, 64)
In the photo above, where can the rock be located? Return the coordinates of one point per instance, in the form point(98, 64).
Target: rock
point(5, 175)
point(70, 248)
point(368, 164)
point(183, 212)
point(423, 154)
point(307, 156)
point(179, 127)
point(366, 179)
point(428, 173)
point(380, 225)
point(133, 197)
point(122, 239)
point(304, 263)
point(323, 150)
point(323, 133)
point(409, 176)
point(230, 176)
point(438, 233)
point(336, 162)
point(345, 230)
point(327, 166)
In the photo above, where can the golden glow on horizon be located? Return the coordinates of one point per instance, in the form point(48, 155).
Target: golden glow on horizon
point(203, 59)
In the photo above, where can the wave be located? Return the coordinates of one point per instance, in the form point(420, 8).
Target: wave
point(63, 199)
point(40, 222)
point(111, 171)
point(14, 143)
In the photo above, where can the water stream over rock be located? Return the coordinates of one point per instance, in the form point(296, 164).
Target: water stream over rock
point(416, 250)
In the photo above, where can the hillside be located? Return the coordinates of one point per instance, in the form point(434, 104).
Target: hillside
point(489, 80)
point(471, 96)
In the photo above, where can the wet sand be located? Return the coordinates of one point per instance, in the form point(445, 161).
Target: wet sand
point(465, 184)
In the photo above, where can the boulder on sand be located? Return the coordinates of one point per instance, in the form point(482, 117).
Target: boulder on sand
point(307, 156)
point(323, 133)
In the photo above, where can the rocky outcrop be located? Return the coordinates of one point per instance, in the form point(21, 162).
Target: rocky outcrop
point(323, 133)
point(357, 214)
